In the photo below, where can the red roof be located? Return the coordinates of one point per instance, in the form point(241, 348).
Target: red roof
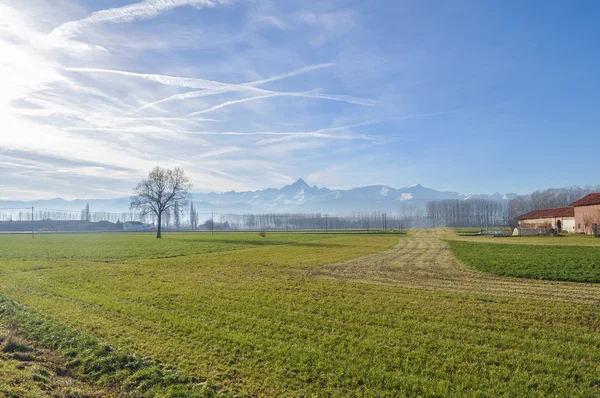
point(591, 199)
point(548, 213)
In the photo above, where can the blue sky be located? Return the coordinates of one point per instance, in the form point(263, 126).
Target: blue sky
point(469, 96)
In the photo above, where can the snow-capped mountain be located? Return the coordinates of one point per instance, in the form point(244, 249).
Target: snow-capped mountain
point(296, 197)
point(301, 197)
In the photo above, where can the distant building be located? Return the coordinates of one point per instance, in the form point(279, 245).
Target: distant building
point(58, 226)
point(134, 226)
point(560, 219)
point(587, 214)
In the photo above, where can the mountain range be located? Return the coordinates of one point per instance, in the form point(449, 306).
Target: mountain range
point(296, 197)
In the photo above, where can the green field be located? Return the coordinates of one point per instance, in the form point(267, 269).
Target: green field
point(252, 316)
point(561, 263)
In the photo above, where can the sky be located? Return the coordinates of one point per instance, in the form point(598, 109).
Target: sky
point(468, 96)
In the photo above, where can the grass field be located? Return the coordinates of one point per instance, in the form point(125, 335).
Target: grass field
point(313, 314)
point(562, 263)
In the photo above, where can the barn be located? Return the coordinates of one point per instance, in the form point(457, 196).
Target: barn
point(133, 226)
point(587, 213)
point(561, 219)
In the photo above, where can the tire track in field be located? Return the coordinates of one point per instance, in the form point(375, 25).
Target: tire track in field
point(423, 260)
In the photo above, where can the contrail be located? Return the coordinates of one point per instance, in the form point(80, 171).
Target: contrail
point(281, 94)
point(204, 93)
point(162, 79)
point(211, 87)
point(290, 74)
point(229, 103)
point(147, 9)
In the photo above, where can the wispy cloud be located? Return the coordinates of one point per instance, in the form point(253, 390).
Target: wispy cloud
point(206, 93)
point(163, 79)
point(84, 102)
point(233, 102)
point(324, 133)
point(143, 10)
point(293, 73)
point(212, 87)
point(219, 152)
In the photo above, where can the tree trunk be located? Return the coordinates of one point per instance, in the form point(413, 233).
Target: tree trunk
point(158, 235)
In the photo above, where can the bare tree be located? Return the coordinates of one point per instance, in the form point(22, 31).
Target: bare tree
point(160, 192)
point(466, 213)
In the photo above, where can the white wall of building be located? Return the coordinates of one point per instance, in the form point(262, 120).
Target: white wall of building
point(569, 225)
point(536, 222)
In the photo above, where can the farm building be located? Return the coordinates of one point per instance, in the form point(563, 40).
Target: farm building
point(587, 213)
point(59, 226)
point(134, 226)
point(561, 219)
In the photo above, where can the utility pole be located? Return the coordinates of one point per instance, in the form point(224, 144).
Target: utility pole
point(486, 219)
point(32, 224)
point(212, 223)
point(326, 224)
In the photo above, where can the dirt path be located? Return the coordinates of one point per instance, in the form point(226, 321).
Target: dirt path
point(423, 260)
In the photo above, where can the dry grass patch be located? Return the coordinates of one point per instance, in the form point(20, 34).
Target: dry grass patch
point(424, 260)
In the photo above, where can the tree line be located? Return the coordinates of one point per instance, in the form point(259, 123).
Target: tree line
point(467, 213)
point(375, 220)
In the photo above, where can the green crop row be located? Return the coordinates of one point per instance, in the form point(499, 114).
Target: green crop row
point(563, 263)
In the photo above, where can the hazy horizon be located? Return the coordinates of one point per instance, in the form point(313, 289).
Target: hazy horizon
point(333, 188)
point(69, 198)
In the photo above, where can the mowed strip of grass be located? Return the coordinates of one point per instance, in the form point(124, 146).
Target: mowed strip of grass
point(254, 322)
point(560, 263)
